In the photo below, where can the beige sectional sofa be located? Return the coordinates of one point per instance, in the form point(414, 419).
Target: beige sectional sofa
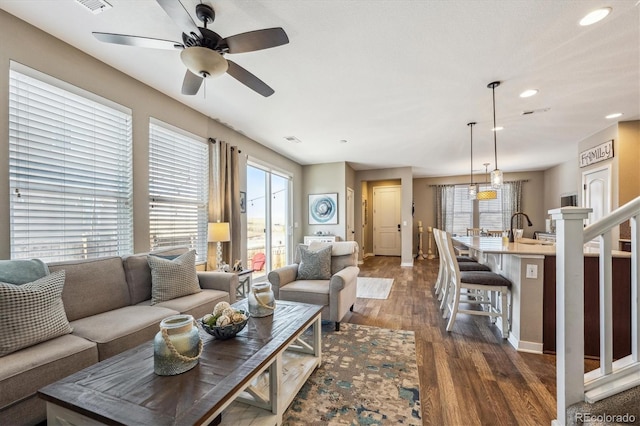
point(108, 304)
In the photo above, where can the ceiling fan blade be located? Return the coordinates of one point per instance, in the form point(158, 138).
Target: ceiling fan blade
point(129, 40)
point(256, 40)
point(248, 79)
point(179, 15)
point(191, 83)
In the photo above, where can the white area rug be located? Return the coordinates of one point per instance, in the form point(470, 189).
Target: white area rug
point(374, 288)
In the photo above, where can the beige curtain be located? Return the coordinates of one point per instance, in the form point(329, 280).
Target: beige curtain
point(224, 197)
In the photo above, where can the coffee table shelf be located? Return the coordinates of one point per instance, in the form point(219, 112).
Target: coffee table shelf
point(250, 379)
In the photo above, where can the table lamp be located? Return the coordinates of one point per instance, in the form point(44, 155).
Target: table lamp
point(218, 233)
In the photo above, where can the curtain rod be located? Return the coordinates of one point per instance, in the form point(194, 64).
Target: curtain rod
point(477, 183)
point(212, 140)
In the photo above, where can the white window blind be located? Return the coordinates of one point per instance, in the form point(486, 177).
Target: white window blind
point(178, 188)
point(494, 214)
point(70, 171)
point(462, 210)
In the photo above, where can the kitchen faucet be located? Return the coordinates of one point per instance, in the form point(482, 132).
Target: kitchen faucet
point(511, 235)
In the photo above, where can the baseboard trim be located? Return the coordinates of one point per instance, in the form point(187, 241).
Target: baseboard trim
point(524, 346)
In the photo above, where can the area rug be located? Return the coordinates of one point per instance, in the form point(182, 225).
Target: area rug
point(368, 376)
point(374, 288)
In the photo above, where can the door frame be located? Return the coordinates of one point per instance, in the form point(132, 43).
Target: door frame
point(398, 188)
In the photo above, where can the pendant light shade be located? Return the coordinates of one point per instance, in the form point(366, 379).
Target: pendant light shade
point(496, 175)
point(487, 194)
point(473, 189)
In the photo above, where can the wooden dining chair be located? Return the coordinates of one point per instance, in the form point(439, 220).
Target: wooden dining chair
point(487, 290)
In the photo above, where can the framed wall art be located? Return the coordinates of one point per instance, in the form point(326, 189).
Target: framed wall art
point(323, 209)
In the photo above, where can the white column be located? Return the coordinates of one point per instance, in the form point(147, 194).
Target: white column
point(569, 307)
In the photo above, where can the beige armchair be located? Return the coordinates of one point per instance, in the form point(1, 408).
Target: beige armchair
point(337, 293)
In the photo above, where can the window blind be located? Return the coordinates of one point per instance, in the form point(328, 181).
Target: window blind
point(70, 172)
point(178, 189)
point(462, 210)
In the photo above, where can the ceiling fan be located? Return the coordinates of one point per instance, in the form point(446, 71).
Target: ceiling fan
point(203, 50)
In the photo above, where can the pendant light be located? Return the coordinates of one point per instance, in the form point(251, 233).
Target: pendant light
point(487, 194)
point(473, 189)
point(496, 175)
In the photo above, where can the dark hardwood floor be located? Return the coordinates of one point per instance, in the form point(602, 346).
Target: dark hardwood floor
point(470, 376)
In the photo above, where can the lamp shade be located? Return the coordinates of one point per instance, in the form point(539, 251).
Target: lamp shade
point(489, 194)
point(219, 232)
point(204, 62)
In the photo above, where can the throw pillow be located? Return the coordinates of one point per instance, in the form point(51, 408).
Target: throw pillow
point(22, 271)
point(171, 278)
point(314, 265)
point(32, 313)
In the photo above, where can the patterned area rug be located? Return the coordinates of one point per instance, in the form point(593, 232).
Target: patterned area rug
point(368, 376)
point(373, 288)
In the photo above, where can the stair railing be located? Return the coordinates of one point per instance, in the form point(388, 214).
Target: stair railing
point(613, 377)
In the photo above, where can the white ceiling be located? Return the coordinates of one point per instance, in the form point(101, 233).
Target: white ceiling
point(397, 79)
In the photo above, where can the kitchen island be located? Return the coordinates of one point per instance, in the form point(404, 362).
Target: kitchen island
point(530, 265)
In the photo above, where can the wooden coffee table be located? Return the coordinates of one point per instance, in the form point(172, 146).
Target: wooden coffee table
point(252, 377)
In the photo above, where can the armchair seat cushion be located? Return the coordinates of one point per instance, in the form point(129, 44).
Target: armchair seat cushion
point(315, 292)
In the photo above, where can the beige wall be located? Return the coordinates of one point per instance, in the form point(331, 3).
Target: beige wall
point(532, 199)
point(29, 46)
point(320, 179)
point(561, 180)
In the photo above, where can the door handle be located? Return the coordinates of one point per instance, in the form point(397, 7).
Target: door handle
point(398, 227)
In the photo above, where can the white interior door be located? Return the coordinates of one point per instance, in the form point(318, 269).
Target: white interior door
point(597, 192)
point(387, 220)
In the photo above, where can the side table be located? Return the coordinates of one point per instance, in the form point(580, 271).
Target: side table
point(244, 282)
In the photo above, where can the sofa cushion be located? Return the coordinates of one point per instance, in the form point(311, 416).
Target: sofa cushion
point(197, 304)
point(121, 329)
point(93, 286)
point(315, 292)
point(22, 373)
point(173, 278)
point(22, 271)
point(32, 313)
point(314, 265)
point(138, 272)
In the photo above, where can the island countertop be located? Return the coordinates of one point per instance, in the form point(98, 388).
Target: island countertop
point(527, 247)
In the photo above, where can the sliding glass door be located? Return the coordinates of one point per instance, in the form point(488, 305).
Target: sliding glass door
point(268, 223)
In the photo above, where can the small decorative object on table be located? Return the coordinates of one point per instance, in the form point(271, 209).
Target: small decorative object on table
point(261, 300)
point(225, 322)
point(177, 346)
point(237, 266)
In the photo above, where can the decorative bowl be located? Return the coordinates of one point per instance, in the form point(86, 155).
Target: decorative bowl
point(226, 331)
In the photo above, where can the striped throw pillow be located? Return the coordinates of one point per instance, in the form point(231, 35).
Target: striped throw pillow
point(171, 278)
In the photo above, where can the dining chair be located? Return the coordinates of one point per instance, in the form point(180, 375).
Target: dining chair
point(494, 232)
point(474, 232)
point(487, 290)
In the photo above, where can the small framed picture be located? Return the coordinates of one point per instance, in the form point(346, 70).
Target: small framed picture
point(243, 202)
point(323, 209)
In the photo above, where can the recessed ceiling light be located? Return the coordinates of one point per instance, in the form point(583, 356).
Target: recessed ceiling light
point(595, 16)
point(497, 129)
point(528, 93)
point(614, 115)
point(343, 141)
point(292, 139)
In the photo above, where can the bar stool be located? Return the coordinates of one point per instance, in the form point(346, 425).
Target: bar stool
point(443, 282)
point(487, 283)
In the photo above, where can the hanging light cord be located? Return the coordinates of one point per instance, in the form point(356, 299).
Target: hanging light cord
point(495, 144)
point(471, 160)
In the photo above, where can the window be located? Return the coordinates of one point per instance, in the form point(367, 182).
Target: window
point(462, 210)
point(70, 171)
point(178, 188)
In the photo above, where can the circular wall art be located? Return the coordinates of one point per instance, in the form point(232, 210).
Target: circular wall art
point(323, 209)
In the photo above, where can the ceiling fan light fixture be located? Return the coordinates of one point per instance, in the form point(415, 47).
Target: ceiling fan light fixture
point(204, 62)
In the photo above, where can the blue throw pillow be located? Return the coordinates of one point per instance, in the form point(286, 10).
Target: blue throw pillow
point(22, 271)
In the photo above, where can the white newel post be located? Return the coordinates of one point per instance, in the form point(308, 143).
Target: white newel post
point(569, 307)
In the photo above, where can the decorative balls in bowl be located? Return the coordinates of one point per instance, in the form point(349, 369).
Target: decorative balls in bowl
point(224, 322)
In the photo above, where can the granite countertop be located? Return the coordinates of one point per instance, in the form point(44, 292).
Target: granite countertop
point(526, 246)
